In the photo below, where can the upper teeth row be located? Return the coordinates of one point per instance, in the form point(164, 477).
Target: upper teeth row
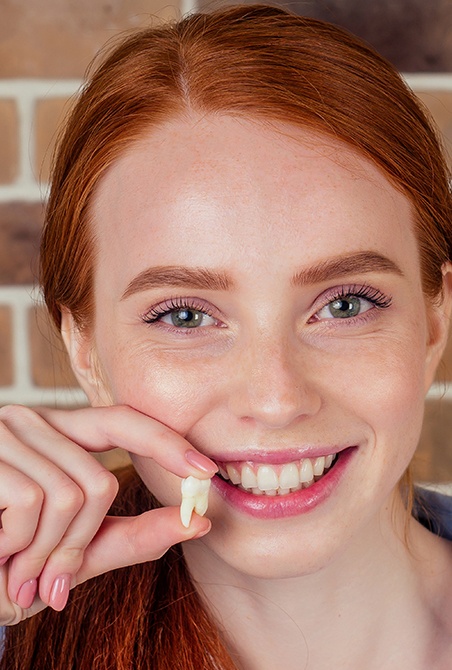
point(277, 480)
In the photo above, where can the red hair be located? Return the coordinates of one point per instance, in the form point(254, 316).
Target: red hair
point(255, 62)
point(252, 61)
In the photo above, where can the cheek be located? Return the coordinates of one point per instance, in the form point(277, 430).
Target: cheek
point(167, 388)
point(388, 394)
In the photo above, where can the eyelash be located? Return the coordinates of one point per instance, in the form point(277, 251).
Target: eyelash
point(372, 295)
point(172, 305)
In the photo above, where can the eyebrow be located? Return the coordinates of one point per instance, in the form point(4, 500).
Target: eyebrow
point(354, 263)
point(214, 280)
point(174, 275)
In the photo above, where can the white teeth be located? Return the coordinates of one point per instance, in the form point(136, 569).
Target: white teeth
point(233, 474)
point(306, 471)
point(277, 479)
point(195, 494)
point(328, 461)
point(267, 479)
point(319, 466)
point(289, 476)
point(223, 472)
point(248, 479)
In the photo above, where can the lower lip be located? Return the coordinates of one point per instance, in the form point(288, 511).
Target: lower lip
point(292, 504)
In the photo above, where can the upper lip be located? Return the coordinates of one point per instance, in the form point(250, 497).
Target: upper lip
point(278, 457)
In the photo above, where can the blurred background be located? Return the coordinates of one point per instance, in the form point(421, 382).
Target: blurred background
point(45, 47)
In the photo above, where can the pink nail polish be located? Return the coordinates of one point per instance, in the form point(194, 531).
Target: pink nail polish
point(60, 592)
point(200, 461)
point(27, 594)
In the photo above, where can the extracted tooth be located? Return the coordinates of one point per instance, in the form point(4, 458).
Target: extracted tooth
point(201, 504)
point(195, 494)
point(319, 466)
point(306, 471)
point(267, 479)
point(186, 510)
point(249, 479)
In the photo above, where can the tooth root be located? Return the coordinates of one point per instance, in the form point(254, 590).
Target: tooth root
point(186, 510)
point(267, 479)
point(234, 474)
point(306, 471)
point(201, 503)
point(319, 466)
point(249, 479)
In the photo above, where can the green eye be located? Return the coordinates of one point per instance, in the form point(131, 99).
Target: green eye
point(347, 307)
point(187, 318)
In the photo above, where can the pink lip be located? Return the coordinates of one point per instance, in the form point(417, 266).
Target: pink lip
point(276, 507)
point(277, 457)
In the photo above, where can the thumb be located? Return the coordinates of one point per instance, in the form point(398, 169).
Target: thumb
point(123, 541)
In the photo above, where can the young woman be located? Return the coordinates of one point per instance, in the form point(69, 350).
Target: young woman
point(248, 253)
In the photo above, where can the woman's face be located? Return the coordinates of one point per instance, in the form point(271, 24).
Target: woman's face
point(258, 291)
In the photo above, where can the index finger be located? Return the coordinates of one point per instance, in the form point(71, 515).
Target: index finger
point(98, 429)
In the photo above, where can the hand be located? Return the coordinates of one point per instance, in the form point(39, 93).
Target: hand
point(54, 497)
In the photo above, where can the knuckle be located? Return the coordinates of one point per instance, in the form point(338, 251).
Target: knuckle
point(31, 495)
point(16, 413)
point(104, 486)
point(68, 498)
point(69, 555)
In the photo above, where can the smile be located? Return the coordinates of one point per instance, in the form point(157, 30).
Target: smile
point(276, 480)
point(275, 490)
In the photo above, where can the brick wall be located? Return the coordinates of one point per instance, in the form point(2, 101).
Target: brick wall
point(43, 54)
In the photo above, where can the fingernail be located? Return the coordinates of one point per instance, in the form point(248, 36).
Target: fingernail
point(60, 592)
point(200, 461)
point(27, 594)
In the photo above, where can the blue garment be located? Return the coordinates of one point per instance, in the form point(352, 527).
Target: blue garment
point(434, 511)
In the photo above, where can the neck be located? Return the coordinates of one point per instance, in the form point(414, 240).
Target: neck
point(366, 608)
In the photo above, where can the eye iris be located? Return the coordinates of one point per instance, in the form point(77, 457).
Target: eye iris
point(345, 307)
point(187, 318)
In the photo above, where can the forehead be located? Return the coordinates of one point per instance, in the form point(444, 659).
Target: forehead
point(213, 180)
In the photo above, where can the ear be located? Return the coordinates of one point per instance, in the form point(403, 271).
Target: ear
point(80, 347)
point(439, 322)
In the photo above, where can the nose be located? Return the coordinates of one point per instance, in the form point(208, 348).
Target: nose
point(272, 385)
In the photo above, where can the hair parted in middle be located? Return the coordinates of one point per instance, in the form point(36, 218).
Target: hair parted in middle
point(256, 62)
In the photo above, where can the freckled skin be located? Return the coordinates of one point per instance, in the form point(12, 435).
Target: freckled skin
point(233, 195)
